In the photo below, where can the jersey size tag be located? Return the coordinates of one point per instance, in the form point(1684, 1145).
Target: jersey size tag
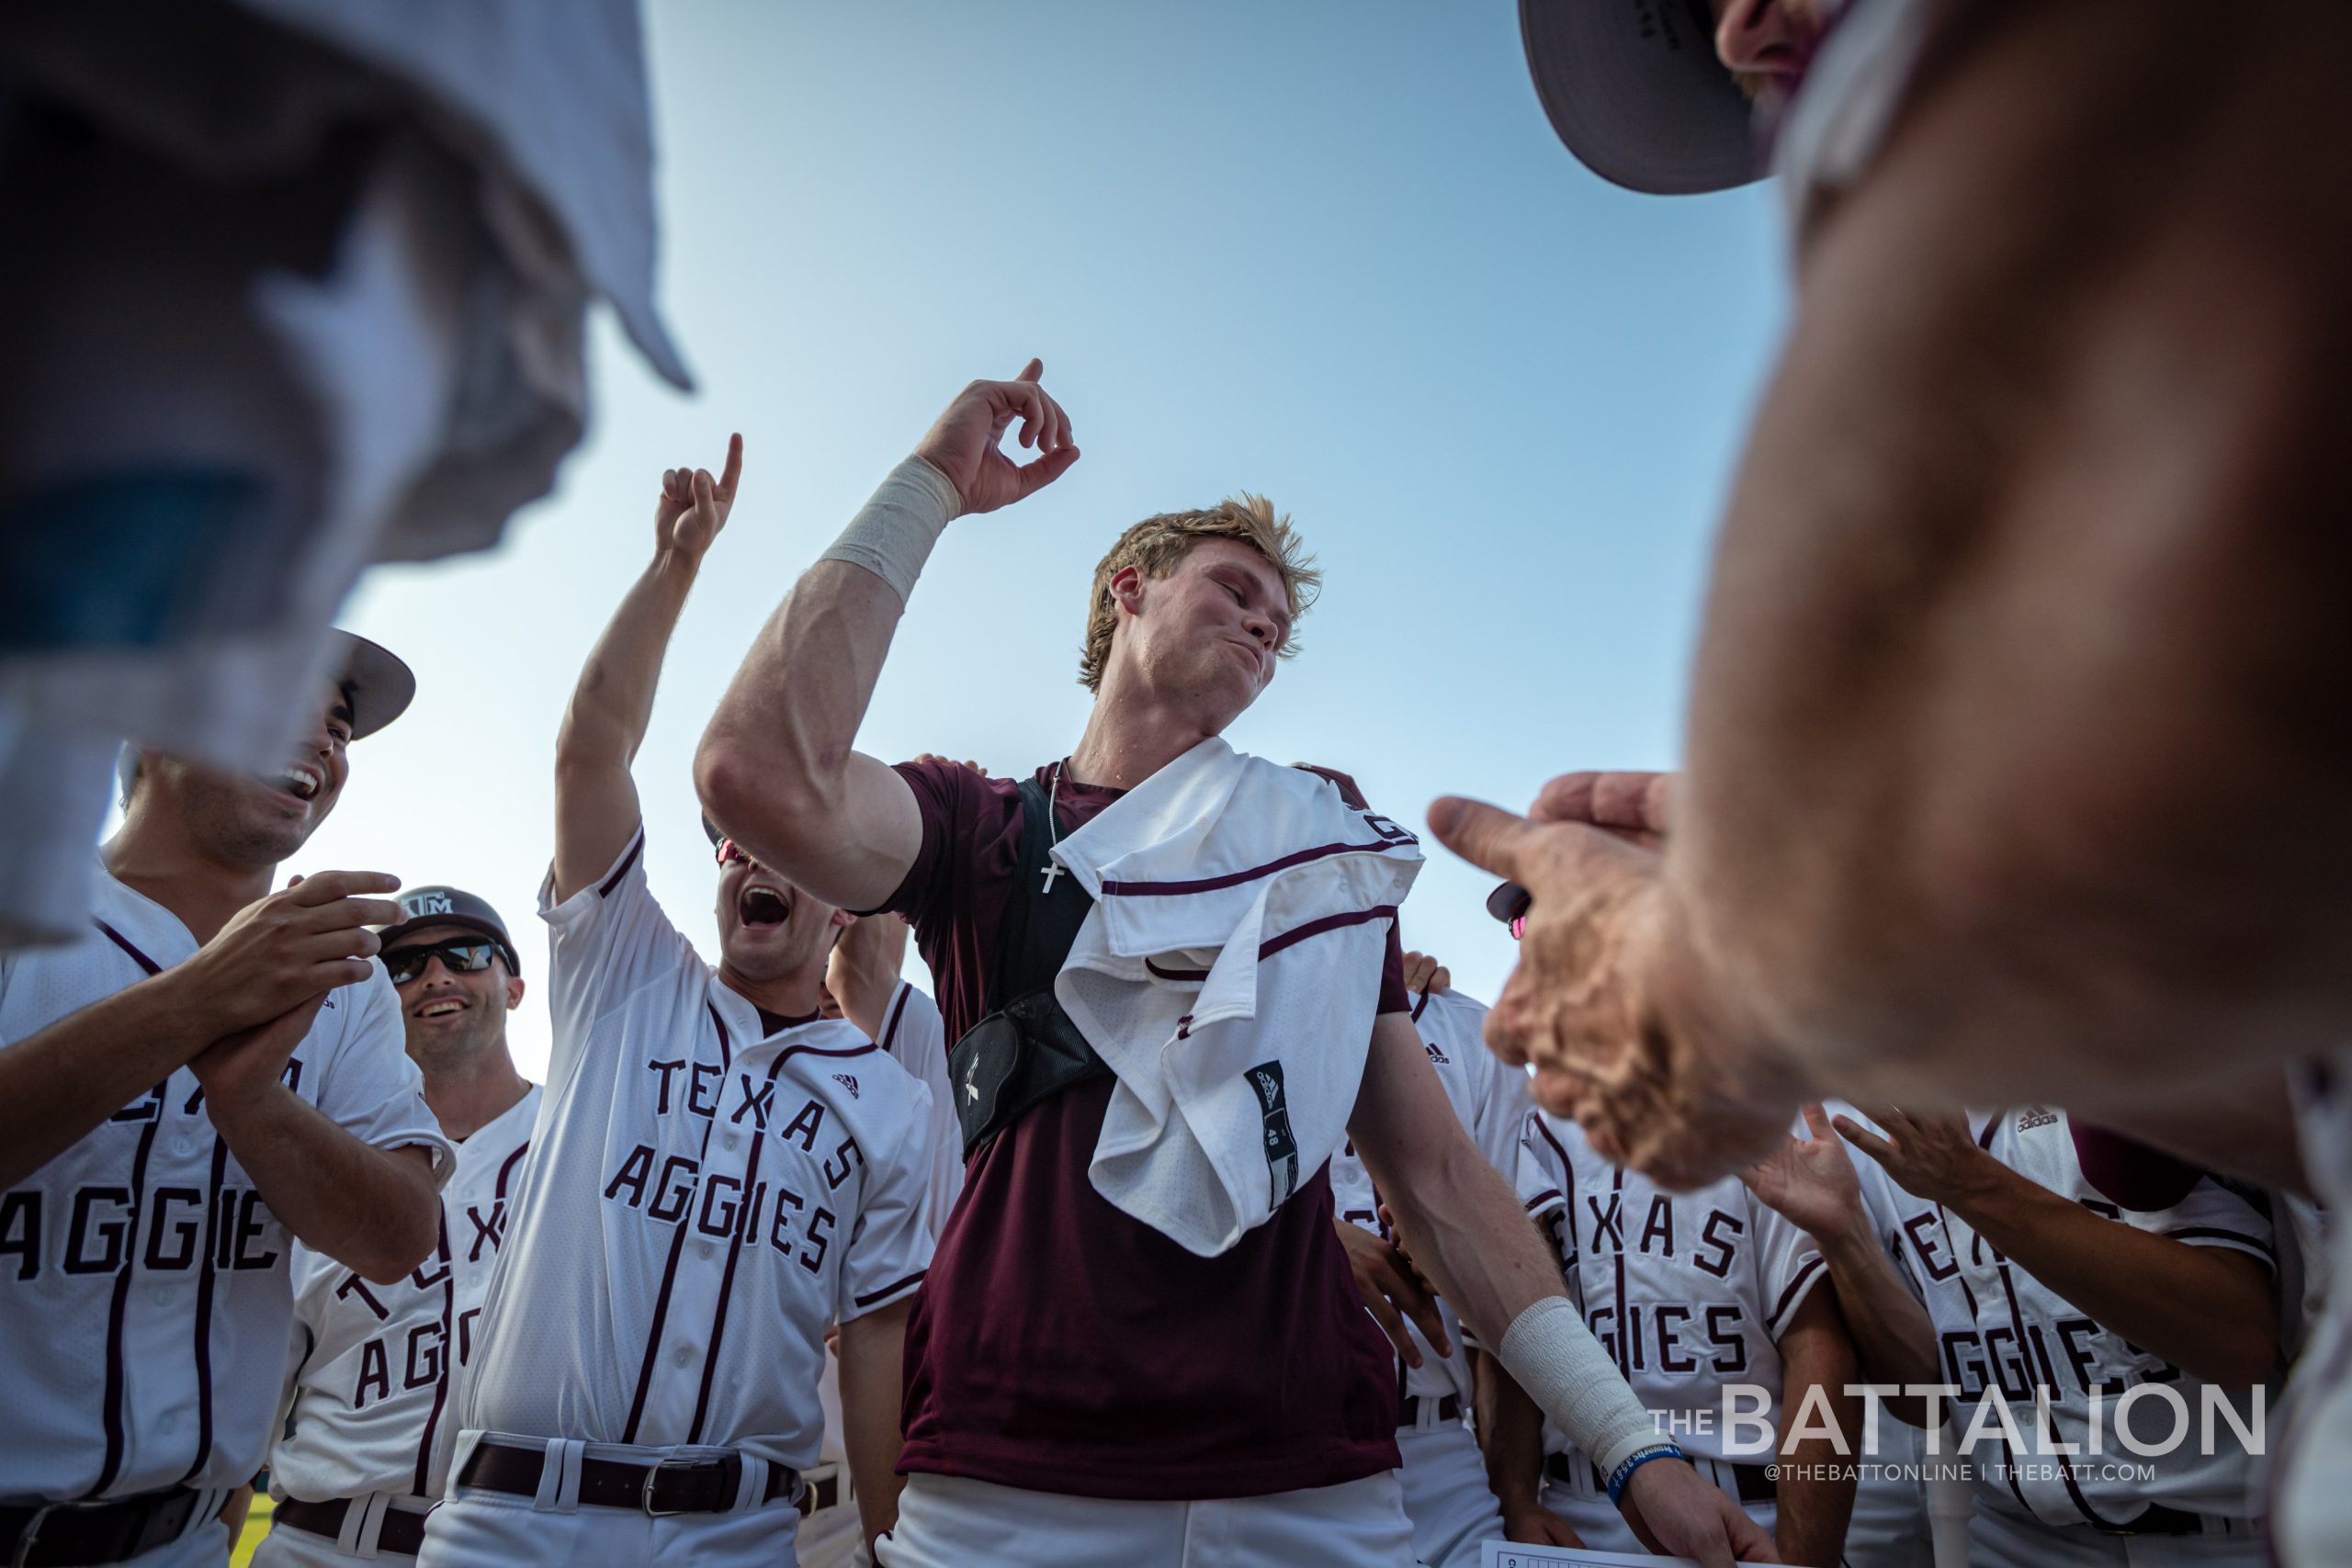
point(1282, 1147)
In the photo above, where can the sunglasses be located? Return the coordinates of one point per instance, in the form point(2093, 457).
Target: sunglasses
point(469, 957)
point(729, 851)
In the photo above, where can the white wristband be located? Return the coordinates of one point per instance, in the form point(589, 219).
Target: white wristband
point(1549, 1353)
point(892, 533)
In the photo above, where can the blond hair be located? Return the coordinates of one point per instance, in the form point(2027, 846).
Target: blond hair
point(1156, 545)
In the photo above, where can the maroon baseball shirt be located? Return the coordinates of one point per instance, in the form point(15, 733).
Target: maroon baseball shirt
point(1058, 1344)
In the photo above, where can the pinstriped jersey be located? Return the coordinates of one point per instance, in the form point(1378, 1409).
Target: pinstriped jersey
point(145, 1294)
point(701, 1198)
point(1687, 1292)
point(1999, 1330)
point(368, 1409)
point(1488, 1099)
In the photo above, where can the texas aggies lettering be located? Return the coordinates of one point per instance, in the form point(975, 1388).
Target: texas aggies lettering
point(2004, 1337)
point(145, 1295)
point(709, 1189)
point(367, 1412)
point(1687, 1292)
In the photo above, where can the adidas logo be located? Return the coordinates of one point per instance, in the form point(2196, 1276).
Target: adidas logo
point(1436, 1056)
point(847, 1082)
point(2037, 1117)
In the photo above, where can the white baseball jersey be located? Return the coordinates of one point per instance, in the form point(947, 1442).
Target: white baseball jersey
point(2315, 1507)
point(703, 1197)
point(1686, 1290)
point(146, 1290)
point(2000, 1331)
point(369, 1407)
point(916, 1037)
point(1488, 1099)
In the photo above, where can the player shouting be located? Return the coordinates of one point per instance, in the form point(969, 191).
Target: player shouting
point(718, 1173)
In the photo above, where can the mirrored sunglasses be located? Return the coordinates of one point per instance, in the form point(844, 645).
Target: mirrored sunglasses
point(470, 957)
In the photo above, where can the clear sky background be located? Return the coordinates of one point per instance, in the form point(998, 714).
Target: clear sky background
point(1331, 252)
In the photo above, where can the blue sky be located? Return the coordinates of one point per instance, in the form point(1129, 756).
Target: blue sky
point(1328, 252)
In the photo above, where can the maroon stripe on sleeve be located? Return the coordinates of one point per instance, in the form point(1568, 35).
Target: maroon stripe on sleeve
point(1813, 1266)
point(891, 1288)
point(898, 1011)
point(1541, 1199)
point(636, 848)
point(1234, 878)
point(1297, 934)
point(1422, 1006)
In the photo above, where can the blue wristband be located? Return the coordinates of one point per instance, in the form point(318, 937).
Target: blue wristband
point(1624, 1473)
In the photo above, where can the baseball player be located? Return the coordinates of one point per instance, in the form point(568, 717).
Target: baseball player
point(365, 1438)
point(1697, 1295)
point(718, 1174)
point(211, 1073)
point(2065, 1270)
point(1447, 1499)
point(1119, 1392)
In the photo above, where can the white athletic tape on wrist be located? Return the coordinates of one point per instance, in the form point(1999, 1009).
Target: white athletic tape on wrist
point(892, 533)
point(1550, 1355)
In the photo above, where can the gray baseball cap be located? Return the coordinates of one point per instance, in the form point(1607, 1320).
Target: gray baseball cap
point(1634, 89)
point(443, 905)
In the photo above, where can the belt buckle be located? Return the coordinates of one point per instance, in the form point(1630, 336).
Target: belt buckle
point(687, 1466)
point(30, 1534)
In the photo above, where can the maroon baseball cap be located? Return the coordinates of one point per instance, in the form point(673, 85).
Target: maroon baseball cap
point(439, 906)
point(1635, 90)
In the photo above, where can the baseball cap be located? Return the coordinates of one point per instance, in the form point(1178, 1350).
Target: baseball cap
point(378, 685)
point(1634, 89)
point(451, 907)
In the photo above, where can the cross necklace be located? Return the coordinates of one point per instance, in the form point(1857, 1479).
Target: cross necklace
point(1053, 832)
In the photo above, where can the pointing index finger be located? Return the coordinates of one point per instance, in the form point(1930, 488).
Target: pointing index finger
point(1484, 835)
point(326, 886)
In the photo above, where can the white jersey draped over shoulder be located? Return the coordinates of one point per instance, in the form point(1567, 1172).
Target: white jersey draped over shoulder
point(146, 1291)
point(701, 1201)
point(374, 1366)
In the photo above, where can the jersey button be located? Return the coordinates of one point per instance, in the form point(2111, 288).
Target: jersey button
point(683, 1355)
point(182, 1145)
point(161, 1295)
point(703, 1249)
point(730, 1141)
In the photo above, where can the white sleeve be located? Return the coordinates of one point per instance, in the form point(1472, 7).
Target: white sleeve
point(1544, 1176)
point(367, 1085)
point(603, 942)
point(2212, 1215)
point(916, 1035)
point(1787, 1264)
point(1352, 1198)
point(890, 1241)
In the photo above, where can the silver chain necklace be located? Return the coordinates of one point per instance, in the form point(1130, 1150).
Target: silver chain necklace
point(1053, 831)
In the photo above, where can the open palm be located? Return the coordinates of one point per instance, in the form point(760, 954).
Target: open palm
point(1810, 1181)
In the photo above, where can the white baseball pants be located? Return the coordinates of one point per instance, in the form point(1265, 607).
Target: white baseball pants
point(946, 1521)
point(1447, 1501)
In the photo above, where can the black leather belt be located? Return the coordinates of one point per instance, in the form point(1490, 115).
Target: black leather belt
point(401, 1532)
point(65, 1533)
point(666, 1486)
point(1754, 1483)
point(1409, 1408)
point(823, 1492)
point(2157, 1519)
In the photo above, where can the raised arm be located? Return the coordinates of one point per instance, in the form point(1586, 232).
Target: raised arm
point(1811, 1184)
point(862, 973)
point(2016, 766)
point(595, 798)
point(2209, 1311)
point(777, 767)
